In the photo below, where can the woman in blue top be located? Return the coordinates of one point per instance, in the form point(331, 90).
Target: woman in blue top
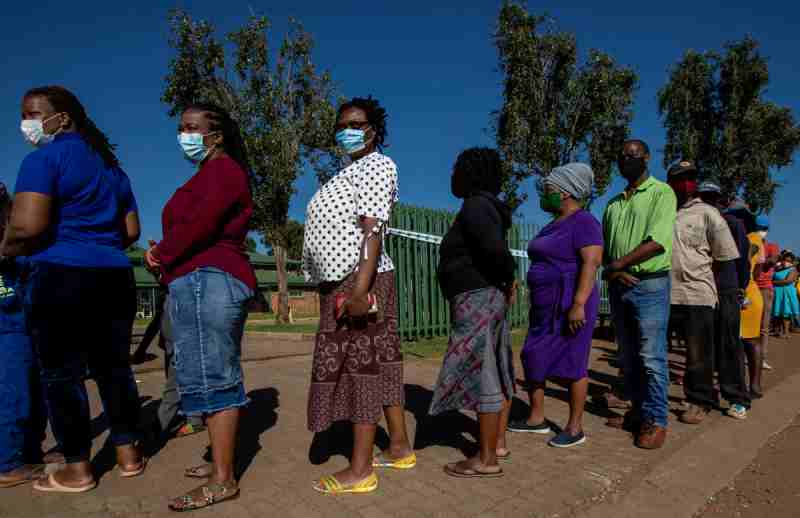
point(74, 214)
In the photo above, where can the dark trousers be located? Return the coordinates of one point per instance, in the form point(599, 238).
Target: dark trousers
point(729, 350)
point(80, 321)
point(23, 418)
point(696, 325)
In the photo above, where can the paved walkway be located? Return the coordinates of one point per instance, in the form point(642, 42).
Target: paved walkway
point(281, 458)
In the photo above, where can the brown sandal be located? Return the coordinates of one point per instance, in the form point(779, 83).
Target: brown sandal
point(459, 470)
point(204, 496)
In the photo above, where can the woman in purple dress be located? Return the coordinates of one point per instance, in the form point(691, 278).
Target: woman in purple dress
point(564, 300)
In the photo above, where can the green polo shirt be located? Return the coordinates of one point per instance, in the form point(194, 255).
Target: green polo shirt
point(631, 219)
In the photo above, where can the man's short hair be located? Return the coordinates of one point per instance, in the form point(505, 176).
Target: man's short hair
point(642, 143)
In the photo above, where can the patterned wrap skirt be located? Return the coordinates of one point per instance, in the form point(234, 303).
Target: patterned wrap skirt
point(357, 370)
point(478, 370)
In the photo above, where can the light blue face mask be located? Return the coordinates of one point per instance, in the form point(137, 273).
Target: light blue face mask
point(351, 140)
point(193, 147)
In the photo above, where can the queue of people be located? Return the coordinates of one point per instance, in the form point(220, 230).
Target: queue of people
point(675, 252)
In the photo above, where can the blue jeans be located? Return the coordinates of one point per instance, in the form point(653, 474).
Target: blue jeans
point(641, 317)
point(207, 310)
point(23, 418)
point(80, 321)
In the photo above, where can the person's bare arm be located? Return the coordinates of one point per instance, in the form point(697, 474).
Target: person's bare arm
point(592, 258)
point(358, 305)
point(638, 255)
point(791, 279)
point(131, 230)
point(28, 224)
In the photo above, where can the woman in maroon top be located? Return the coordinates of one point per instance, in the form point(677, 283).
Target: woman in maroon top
point(202, 260)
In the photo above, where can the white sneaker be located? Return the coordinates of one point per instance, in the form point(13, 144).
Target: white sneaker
point(766, 366)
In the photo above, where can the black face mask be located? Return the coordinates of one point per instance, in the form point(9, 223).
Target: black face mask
point(632, 168)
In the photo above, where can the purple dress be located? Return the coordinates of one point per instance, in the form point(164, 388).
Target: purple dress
point(551, 350)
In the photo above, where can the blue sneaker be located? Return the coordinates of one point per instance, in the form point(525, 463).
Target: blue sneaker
point(522, 426)
point(567, 440)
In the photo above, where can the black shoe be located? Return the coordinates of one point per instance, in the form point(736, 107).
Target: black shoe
point(756, 393)
point(524, 427)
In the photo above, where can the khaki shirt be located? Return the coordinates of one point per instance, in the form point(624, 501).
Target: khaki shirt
point(701, 238)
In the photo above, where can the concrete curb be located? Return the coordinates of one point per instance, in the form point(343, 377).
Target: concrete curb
point(681, 485)
point(292, 337)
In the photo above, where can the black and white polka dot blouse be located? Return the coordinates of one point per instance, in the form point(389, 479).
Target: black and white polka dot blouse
point(333, 235)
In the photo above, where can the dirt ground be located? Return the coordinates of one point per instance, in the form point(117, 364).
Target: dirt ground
point(768, 487)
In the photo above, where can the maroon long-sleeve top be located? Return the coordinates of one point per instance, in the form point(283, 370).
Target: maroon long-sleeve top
point(205, 224)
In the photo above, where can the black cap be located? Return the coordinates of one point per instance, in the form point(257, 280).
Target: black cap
point(682, 167)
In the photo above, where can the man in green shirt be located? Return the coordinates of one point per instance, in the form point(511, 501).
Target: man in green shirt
point(637, 226)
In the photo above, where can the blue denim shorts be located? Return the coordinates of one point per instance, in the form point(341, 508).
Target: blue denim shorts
point(207, 310)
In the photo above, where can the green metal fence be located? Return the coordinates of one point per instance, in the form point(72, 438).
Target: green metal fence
point(423, 311)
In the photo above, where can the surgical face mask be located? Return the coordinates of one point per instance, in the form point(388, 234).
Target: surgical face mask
point(193, 147)
point(33, 131)
point(632, 168)
point(351, 140)
point(550, 202)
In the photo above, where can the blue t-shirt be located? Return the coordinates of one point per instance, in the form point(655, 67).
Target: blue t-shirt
point(90, 202)
point(12, 316)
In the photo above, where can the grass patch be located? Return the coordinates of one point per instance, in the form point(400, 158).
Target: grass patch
point(436, 347)
point(282, 328)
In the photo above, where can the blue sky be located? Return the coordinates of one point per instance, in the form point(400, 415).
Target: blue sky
point(432, 64)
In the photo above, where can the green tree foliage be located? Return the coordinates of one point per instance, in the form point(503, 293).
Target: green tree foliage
point(284, 105)
point(554, 109)
point(294, 239)
point(714, 111)
point(295, 232)
point(251, 244)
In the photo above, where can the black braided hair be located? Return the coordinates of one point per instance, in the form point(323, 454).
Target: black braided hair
point(376, 115)
point(64, 101)
point(220, 120)
point(477, 169)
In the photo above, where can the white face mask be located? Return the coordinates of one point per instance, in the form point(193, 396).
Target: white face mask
point(33, 131)
point(762, 233)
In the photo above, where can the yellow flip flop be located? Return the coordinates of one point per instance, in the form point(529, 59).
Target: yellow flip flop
point(408, 462)
point(331, 486)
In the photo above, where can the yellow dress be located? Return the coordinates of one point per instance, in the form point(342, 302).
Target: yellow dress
point(752, 314)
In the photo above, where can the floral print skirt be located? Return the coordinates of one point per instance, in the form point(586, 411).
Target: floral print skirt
point(357, 368)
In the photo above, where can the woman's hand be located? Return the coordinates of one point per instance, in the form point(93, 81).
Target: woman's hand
point(357, 305)
point(576, 318)
point(623, 278)
point(151, 262)
point(511, 294)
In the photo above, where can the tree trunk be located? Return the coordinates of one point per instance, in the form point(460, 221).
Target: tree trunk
point(282, 314)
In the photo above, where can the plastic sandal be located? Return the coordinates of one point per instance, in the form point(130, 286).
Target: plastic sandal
point(134, 472)
point(53, 486)
point(408, 462)
point(454, 470)
point(31, 473)
point(331, 486)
